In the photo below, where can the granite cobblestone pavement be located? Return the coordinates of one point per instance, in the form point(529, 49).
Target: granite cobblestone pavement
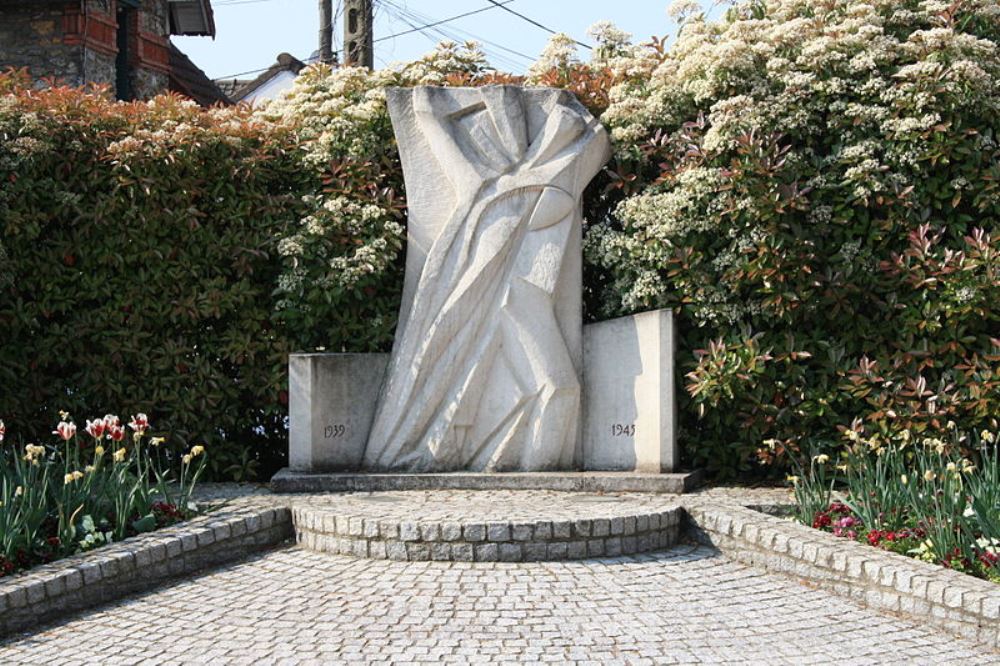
point(293, 606)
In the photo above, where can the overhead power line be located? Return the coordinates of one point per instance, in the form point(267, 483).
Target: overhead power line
point(447, 20)
point(534, 22)
point(414, 18)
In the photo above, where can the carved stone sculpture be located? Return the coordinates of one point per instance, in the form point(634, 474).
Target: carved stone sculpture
point(485, 369)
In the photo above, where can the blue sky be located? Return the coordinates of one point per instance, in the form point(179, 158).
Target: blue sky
point(251, 33)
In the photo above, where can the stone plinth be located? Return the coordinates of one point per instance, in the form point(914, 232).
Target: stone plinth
point(290, 481)
point(473, 526)
point(629, 409)
point(331, 404)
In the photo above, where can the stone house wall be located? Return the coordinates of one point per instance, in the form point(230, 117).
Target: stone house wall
point(76, 42)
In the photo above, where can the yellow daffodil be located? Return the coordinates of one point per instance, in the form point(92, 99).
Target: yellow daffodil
point(156, 441)
point(120, 454)
point(792, 478)
point(197, 451)
point(98, 451)
point(904, 479)
point(186, 459)
point(822, 459)
point(32, 453)
point(929, 475)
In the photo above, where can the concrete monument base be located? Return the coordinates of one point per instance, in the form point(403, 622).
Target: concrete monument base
point(330, 408)
point(290, 481)
point(628, 420)
point(629, 409)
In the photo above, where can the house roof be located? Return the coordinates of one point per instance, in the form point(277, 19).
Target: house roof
point(284, 63)
point(191, 18)
point(230, 87)
point(187, 79)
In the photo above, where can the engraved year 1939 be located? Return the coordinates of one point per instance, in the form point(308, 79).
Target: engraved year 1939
point(335, 430)
point(623, 430)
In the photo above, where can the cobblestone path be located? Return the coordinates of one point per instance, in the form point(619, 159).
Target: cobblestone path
point(292, 606)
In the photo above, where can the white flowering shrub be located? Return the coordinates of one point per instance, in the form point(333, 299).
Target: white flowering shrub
point(341, 277)
point(814, 185)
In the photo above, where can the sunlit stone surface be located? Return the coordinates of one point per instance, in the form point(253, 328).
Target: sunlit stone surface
point(485, 371)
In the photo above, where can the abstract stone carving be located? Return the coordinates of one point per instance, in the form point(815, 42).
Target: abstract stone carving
point(485, 369)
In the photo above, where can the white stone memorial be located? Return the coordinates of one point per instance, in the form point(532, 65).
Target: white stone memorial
point(629, 407)
point(485, 369)
point(331, 404)
point(488, 371)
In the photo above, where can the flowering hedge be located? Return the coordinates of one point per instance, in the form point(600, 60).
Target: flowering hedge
point(814, 185)
point(139, 265)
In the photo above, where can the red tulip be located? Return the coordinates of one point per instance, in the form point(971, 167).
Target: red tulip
point(139, 423)
point(96, 428)
point(66, 430)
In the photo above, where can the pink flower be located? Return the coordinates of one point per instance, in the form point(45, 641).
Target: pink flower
point(96, 428)
point(116, 432)
point(66, 430)
point(139, 423)
point(3, 430)
point(111, 420)
point(846, 521)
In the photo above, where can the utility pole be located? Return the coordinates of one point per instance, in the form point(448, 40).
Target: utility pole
point(326, 31)
point(358, 28)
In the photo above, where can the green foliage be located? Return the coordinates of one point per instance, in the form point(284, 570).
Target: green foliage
point(815, 189)
point(140, 264)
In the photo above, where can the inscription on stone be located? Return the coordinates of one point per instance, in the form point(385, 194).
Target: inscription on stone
point(336, 430)
point(623, 430)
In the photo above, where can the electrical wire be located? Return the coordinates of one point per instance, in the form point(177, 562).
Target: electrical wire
point(435, 23)
point(423, 17)
point(422, 23)
point(418, 23)
point(534, 22)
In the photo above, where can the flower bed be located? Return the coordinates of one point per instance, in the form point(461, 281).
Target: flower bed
point(917, 498)
point(88, 491)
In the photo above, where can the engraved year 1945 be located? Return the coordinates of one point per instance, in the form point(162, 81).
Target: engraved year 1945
point(336, 430)
point(623, 430)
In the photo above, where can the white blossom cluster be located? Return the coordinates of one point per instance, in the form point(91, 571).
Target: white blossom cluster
point(881, 76)
point(341, 115)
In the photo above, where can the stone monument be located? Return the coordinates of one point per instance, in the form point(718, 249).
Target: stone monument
point(488, 366)
point(485, 370)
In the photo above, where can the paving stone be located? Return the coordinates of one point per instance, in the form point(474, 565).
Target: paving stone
point(295, 606)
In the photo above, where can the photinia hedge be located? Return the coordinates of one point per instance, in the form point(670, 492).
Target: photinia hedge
point(139, 261)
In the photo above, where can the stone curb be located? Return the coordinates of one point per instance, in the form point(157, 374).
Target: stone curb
point(536, 541)
point(955, 602)
point(137, 564)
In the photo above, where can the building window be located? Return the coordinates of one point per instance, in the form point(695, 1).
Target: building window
point(127, 24)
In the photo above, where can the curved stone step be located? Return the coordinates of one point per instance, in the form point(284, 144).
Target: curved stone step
point(477, 526)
